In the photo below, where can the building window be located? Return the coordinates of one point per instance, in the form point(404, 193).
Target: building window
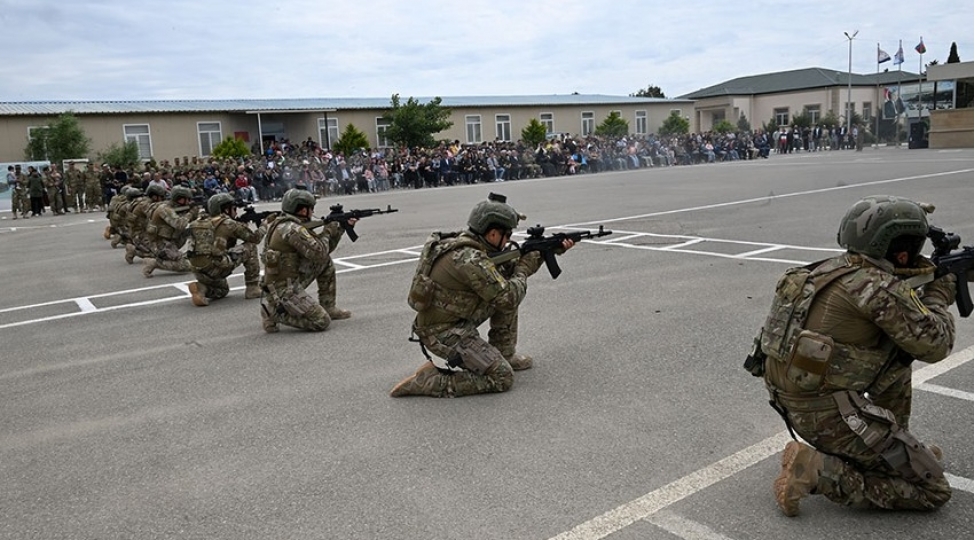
point(813, 112)
point(139, 133)
point(548, 120)
point(781, 116)
point(502, 124)
point(328, 136)
point(679, 112)
point(381, 126)
point(867, 111)
point(210, 136)
point(473, 125)
point(640, 123)
point(588, 123)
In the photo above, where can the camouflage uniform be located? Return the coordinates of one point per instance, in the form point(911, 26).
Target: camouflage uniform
point(19, 202)
point(53, 184)
point(136, 219)
point(75, 184)
point(212, 269)
point(93, 190)
point(166, 232)
point(839, 341)
point(455, 290)
point(294, 257)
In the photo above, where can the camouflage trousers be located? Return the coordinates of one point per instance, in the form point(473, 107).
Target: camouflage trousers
point(170, 258)
point(444, 343)
point(76, 196)
point(213, 275)
point(19, 202)
point(54, 196)
point(93, 196)
point(857, 475)
point(288, 302)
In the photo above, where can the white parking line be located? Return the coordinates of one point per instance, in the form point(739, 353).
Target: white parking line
point(651, 503)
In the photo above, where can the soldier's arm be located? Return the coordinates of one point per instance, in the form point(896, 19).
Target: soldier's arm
point(923, 329)
point(305, 243)
point(473, 267)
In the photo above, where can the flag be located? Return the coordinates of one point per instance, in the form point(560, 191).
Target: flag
point(882, 56)
point(899, 55)
point(920, 48)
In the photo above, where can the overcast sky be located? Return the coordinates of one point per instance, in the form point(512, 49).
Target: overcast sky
point(222, 49)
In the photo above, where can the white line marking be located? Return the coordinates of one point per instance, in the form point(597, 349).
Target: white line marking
point(684, 528)
point(959, 483)
point(950, 392)
point(651, 503)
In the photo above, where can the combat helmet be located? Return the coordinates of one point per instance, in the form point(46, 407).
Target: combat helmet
point(294, 199)
point(156, 191)
point(180, 192)
point(132, 193)
point(492, 213)
point(217, 203)
point(870, 225)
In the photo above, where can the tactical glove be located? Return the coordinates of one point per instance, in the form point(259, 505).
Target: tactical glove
point(940, 292)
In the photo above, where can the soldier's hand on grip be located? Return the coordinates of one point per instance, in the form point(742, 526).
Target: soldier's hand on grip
point(528, 264)
point(941, 290)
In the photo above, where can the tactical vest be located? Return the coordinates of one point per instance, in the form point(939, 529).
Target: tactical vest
point(280, 258)
point(157, 226)
point(814, 362)
point(203, 233)
point(426, 293)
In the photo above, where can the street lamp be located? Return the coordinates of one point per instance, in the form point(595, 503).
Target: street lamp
point(849, 83)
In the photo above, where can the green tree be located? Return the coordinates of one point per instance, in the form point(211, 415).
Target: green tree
point(613, 126)
point(802, 120)
point(723, 127)
point(674, 125)
point(413, 124)
point(351, 140)
point(743, 124)
point(60, 140)
point(125, 155)
point(534, 133)
point(830, 120)
point(953, 54)
point(649, 91)
point(231, 147)
point(770, 126)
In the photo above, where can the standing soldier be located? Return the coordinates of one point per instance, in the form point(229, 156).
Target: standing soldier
point(166, 232)
point(75, 183)
point(53, 184)
point(136, 221)
point(215, 252)
point(18, 191)
point(93, 189)
point(294, 257)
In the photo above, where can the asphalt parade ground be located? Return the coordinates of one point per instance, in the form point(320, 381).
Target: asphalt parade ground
point(128, 413)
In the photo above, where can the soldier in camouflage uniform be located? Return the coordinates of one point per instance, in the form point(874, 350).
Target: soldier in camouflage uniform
point(74, 181)
point(457, 288)
point(54, 183)
point(293, 257)
point(136, 220)
point(839, 341)
point(19, 203)
point(215, 252)
point(118, 209)
point(93, 188)
point(166, 232)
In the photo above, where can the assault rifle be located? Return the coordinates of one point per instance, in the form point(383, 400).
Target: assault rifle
point(949, 261)
point(251, 215)
point(342, 217)
point(548, 246)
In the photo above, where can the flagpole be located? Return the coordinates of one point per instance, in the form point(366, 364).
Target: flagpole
point(897, 123)
point(920, 65)
point(876, 120)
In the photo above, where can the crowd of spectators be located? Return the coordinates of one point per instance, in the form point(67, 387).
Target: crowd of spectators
point(265, 176)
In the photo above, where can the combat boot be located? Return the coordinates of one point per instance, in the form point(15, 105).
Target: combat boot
point(198, 293)
point(148, 266)
point(427, 381)
point(108, 232)
point(116, 240)
point(269, 324)
point(252, 290)
point(335, 313)
point(801, 465)
point(130, 253)
point(520, 362)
